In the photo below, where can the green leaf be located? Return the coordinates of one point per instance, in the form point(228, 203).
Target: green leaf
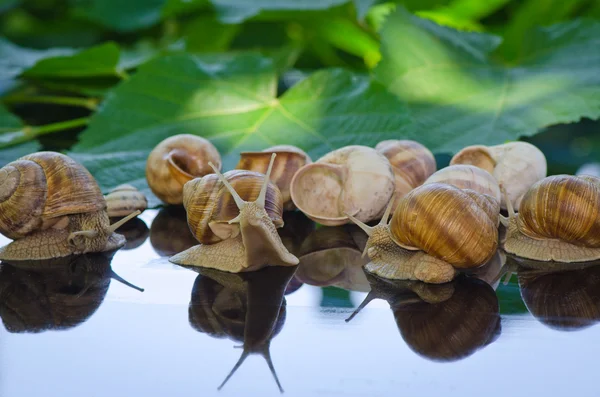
point(206, 34)
point(121, 15)
point(14, 59)
point(460, 96)
point(9, 126)
point(231, 101)
point(98, 61)
point(236, 11)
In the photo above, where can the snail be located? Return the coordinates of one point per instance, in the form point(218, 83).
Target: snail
point(51, 206)
point(331, 256)
point(177, 160)
point(468, 177)
point(354, 179)
point(289, 160)
point(54, 294)
point(123, 200)
point(559, 220)
point(247, 307)
point(252, 245)
point(516, 166)
point(412, 163)
point(444, 322)
point(461, 234)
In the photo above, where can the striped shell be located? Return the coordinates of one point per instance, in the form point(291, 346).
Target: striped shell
point(288, 161)
point(468, 177)
point(412, 163)
point(563, 207)
point(210, 206)
point(38, 190)
point(177, 160)
point(123, 200)
point(454, 225)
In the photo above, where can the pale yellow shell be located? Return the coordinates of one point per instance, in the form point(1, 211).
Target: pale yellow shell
point(516, 166)
point(123, 200)
point(177, 160)
point(468, 177)
point(355, 179)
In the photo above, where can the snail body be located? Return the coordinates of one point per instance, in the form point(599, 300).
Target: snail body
point(559, 220)
point(123, 200)
point(257, 245)
point(516, 166)
point(210, 206)
point(334, 186)
point(289, 160)
point(51, 206)
point(414, 246)
point(176, 161)
point(411, 162)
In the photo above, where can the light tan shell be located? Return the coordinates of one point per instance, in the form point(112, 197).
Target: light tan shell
point(123, 200)
point(412, 163)
point(40, 190)
point(468, 177)
point(210, 206)
point(177, 160)
point(288, 161)
point(559, 220)
point(355, 179)
point(516, 166)
point(454, 225)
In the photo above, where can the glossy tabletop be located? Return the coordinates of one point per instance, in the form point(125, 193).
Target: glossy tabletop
point(74, 330)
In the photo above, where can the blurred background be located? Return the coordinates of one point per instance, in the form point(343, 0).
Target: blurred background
point(302, 36)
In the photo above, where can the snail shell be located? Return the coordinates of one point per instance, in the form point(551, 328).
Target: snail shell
point(123, 200)
point(40, 190)
point(468, 177)
point(288, 161)
point(177, 160)
point(559, 220)
point(412, 163)
point(454, 225)
point(210, 206)
point(335, 185)
point(516, 166)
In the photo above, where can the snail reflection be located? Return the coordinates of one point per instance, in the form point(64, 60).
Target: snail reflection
point(441, 322)
point(169, 232)
point(135, 232)
point(54, 294)
point(562, 299)
point(246, 307)
point(332, 256)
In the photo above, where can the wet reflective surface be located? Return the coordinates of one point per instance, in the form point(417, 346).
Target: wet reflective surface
point(76, 327)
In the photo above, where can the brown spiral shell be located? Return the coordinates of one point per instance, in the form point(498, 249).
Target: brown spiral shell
point(37, 190)
point(454, 225)
point(412, 163)
point(207, 202)
point(563, 207)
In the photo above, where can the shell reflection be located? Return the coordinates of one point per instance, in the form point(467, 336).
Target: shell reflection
point(332, 256)
point(56, 294)
point(135, 231)
point(565, 300)
point(245, 307)
point(169, 232)
point(443, 322)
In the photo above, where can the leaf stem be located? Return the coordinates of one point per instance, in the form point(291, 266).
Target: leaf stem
point(30, 132)
point(88, 103)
